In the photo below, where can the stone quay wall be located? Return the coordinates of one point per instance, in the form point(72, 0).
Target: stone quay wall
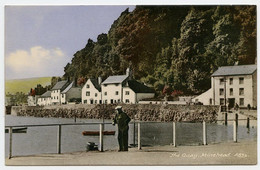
point(141, 112)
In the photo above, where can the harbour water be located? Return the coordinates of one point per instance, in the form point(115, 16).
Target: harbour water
point(40, 140)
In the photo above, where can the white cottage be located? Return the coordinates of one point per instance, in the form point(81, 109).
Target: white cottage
point(56, 91)
point(44, 99)
point(91, 91)
point(71, 94)
point(112, 89)
point(134, 91)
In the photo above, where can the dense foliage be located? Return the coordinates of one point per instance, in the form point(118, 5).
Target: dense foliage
point(170, 46)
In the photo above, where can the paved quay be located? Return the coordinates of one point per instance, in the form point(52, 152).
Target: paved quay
point(241, 153)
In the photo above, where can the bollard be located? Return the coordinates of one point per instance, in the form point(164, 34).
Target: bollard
point(226, 117)
point(174, 134)
point(235, 131)
point(59, 140)
point(139, 136)
point(204, 133)
point(248, 123)
point(101, 137)
point(10, 142)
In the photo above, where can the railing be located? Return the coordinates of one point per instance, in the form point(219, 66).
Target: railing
point(101, 129)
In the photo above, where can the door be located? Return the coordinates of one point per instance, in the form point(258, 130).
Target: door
point(231, 102)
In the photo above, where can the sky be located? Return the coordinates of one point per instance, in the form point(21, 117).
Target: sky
point(41, 40)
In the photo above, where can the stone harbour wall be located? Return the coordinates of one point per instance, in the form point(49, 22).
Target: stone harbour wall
point(141, 112)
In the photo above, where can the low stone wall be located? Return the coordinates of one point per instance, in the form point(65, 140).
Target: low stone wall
point(142, 112)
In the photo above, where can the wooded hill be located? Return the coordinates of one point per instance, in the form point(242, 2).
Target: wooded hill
point(177, 46)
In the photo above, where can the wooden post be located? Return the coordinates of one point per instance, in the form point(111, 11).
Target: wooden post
point(10, 142)
point(236, 119)
point(235, 131)
point(139, 136)
point(174, 134)
point(101, 128)
point(226, 117)
point(204, 133)
point(59, 140)
point(134, 134)
point(248, 123)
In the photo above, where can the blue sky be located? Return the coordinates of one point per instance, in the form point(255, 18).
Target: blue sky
point(40, 40)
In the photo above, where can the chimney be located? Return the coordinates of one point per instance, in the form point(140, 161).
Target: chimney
point(129, 73)
point(99, 80)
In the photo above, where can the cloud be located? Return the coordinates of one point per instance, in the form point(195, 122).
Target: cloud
point(36, 62)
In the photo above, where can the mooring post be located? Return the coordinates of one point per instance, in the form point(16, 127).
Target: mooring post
point(59, 139)
point(139, 136)
point(174, 134)
point(204, 133)
point(226, 117)
point(248, 123)
point(101, 128)
point(10, 141)
point(235, 131)
point(134, 134)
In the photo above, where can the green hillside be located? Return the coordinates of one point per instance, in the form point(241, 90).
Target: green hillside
point(24, 85)
point(170, 46)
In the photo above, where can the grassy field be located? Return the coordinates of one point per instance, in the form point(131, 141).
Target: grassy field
point(24, 85)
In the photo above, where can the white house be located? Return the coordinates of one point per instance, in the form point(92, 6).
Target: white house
point(56, 91)
point(122, 88)
point(91, 91)
point(44, 99)
point(32, 100)
point(112, 89)
point(231, 85)
point(134, 91)
point(71, 94)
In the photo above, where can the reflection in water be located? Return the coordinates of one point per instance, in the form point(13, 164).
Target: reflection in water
point(39, 140)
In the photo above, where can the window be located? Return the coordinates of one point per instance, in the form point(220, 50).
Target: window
point(87, 86)
point(126, 100)
point(95, 94)
point(116, 84)
point(116, 92)
point(230, 81)
point(88, 93)
point(241, 91)
point(118, 100)
point(231, 91)
point(57, 97)
point(241, 80)
point(221, 81)
point(105, 93)
point(210, 101)
point(54, 97)
point(95, 101)
point(105, 101)
point(127, 92)
point(221, 91)
point(241, 101)
point(221, 101)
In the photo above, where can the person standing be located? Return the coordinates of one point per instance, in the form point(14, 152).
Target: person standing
point(122, 120)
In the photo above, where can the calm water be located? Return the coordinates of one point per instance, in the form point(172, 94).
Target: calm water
point(39, 140)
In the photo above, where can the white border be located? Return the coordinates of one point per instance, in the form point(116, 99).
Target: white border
point(110, 2)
